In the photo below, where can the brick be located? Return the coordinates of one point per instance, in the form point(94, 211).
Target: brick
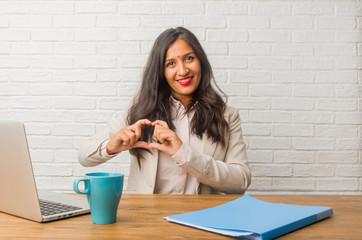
point(276, 63)
point(139, 34)
point(4, 21)
point(312, 9)
point(52, 62)
point(336, 76)
point(292, 130)
point(4, 48)
point(247, 22)
point(75, 76)
point(74, 48)
point(44, 169)
point(65, 156)
point(223, 35)
point(269, 170)
point(270, 91)
point(302, 170)
point(49, 142)
point(202, 21)
point(140, 8)
point(74, 21)
point(292, 104)
point(118, 48)
point(312, 36)
point(52, 8)
point(337, 184)
point(256, 49)
point(31, 76)
point(270, 116)
point(269, 143)
point(95, 62)
point(131, 61)
point(260, 156)
point(352, 36)
point(113, 104)
point(31, 21)
point(349, 63)
point(51, 89)
point(14, 62)
point(256, 130)
point(235, 89)
point(95, 7)
point(270, 9)
point(294, 22)
point(14, 7)
point(313, 91)
point(237, 76)
point(118, 21)
point(41, 156)
point(66, 129)
point(260, 184)
point(250, 103)
point(294, 157)
point(231, 62)
point(337, 104)
point(294, 184)
point(340, 157)
point(4, 102)
point(14, 35)
point(313, 144)
point(37, 129)
point(350, 90)
point(96, 89)
point(14, 89)
point(216, 48)
point(288, 49)
point(335, 23)
point(31, 102)
point(349, 144)
point(183, 8)
point(293, 77)
point(335, 50)
point(348, 9)
point(52, 35)
point(226, 8)
point(349, 171)
point(269, 36)
point(95, 35)
point(32, 48)
point(74, 103)
point(309, 63)
point(121, 75)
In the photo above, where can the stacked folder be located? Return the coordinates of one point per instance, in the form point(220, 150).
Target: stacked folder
point(250, 218)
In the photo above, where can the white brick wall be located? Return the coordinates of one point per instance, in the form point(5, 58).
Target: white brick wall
point(293, 68)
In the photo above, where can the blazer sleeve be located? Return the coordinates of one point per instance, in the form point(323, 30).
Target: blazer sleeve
point(227, 170)
point(88, 153)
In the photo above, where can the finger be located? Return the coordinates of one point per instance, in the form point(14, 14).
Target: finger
point(160, 123)
point(140, 144)
point(157, 146)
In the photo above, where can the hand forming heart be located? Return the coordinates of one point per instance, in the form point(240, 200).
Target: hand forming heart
point(127, 138)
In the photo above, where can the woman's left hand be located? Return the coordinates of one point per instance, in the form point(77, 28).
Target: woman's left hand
point(170, 143)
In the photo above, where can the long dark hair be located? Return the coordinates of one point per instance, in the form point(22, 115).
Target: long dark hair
point(152, 101)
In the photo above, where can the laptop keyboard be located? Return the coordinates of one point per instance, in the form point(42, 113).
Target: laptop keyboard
point(51, 208)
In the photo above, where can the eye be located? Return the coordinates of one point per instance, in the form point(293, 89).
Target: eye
point(189, 58)
point(170, 64)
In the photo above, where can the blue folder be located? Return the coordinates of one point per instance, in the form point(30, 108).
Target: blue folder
point(250, 218)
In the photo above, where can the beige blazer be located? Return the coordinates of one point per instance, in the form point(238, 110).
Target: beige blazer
point(217, 169)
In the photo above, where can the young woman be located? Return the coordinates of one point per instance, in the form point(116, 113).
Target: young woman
point(182, 137)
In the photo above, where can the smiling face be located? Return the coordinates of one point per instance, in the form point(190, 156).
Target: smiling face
point(182, 71)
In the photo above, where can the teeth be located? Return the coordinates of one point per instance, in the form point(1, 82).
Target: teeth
point(184, 80)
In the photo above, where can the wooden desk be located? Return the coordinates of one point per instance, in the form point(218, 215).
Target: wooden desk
point(141, 217)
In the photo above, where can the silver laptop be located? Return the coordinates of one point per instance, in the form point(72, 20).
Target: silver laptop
point(18, 192)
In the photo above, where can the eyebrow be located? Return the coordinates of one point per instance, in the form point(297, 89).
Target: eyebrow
point(170, 59)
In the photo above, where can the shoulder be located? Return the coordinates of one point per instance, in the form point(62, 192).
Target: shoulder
point(231, 112)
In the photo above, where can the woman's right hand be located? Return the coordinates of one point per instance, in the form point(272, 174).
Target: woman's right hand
point(127, 138)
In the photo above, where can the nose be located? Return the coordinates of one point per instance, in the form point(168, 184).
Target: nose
point(183, 69)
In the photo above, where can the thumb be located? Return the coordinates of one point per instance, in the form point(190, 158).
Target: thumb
point(140, 144)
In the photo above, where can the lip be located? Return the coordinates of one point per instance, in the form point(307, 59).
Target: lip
point(184, 83)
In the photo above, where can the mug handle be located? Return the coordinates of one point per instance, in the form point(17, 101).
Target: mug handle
point(86, 186)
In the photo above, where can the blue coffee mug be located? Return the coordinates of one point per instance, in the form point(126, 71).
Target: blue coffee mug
point(103, 192)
